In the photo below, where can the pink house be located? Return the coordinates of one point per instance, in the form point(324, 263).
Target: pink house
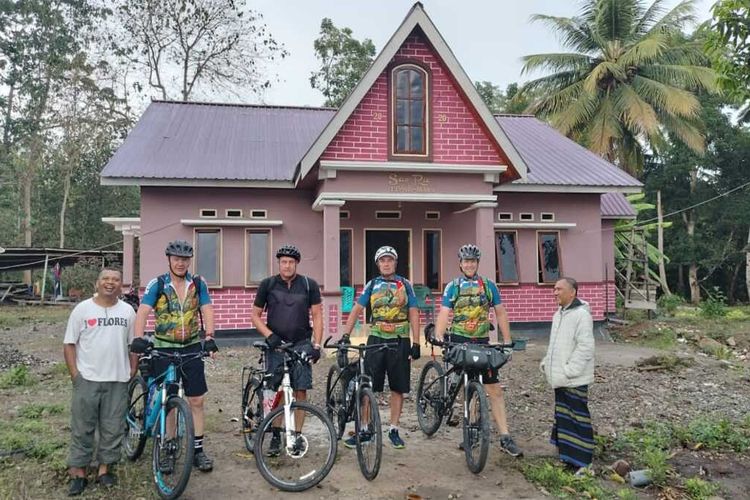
point(413, 159)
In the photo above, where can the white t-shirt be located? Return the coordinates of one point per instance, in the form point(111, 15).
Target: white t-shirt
point(101, 336)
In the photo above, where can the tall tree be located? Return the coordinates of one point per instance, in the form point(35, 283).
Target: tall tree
point(343, 60)
point(191, 47)
point(511, 100)
point(728, 39)
point(628, 81)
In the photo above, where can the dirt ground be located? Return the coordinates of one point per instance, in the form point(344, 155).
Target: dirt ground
point(621, 398)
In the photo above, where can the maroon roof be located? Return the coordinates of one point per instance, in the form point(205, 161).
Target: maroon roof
point(178, 140)
point(553, 159)
point(616, 206)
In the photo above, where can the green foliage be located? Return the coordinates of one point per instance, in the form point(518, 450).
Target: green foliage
point(668, 304)
point(563, 484)
point(655, 460)
point(626, 494)
point(629, 79)
point(715, 305)
point(39, 410)
point(659, 338)
point(17, 376)
point(82, 276)
point(717, 434)
point(511, 100)
point(698, 489)
point(32, 438)
point(736, 315)
point(343, 61)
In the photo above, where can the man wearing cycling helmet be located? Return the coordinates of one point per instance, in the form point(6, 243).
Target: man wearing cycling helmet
point(394, 313)
point(182, 308)
point(289, 300)
point(470, 297)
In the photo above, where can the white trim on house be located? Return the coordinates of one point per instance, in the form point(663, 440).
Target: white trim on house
point(474, 206)
point(415, 17)
point(232, 222)
point(555, 188)
point(235, 183)
point(618, 217)
point(388, 166)
point(324, 198)
point(124, 225)
point(542, 226)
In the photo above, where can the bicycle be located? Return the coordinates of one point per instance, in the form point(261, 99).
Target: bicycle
point(254, 383)
point(302, 446)
point(349, 397)
point(157, 408)
point(440, 383)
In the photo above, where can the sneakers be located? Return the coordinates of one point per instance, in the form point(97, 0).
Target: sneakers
point(274, 449)
point(77, 485)
point(202, 462)
point(509, 446)
point(364, 437)
point(166, 462)
point(396, 440)
point(584, 471)
point(299, 448)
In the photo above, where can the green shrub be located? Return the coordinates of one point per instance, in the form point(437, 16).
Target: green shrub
point(34, 410)
point(717, 434)
point(82, 275)
point(715, 305)
point(626, 494)
point(655, 460)
point(698, 489)
point(736, 315)
point(17, 376)
point(561, 483)
point(668, 304)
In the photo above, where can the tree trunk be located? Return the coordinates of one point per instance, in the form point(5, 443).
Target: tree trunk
point(681, 279)
point(689, 218)
point(660, 245)
point(733, 284)
point(747, 266)
point(63, 207)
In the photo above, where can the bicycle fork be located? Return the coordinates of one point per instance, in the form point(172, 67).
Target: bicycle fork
point(290, 423)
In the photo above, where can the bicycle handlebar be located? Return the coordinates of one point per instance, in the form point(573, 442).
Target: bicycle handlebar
point(361, 347)
point(287, 347)
point(448, 343)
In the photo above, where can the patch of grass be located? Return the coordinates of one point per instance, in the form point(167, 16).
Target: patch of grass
point(736, 315)
point(669, 362)
point(659, 337)
point(561, 483)
point(698, 489)
point(38, 410)
point(655, 461)
point(32, 438)
point(626, 494)
point(17, 376)
point(668, 304)
point(717, 434)
point(715, 305)
point(15, 316)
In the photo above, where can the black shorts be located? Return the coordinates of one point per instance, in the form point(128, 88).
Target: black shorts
point(395, 363)
point(300, 376)
point(488, 377)
point(192, 372)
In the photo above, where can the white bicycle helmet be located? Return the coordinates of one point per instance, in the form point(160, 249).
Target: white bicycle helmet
point(386, 250)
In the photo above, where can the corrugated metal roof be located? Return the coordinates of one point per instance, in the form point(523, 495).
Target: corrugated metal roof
point(175, 140)
point(614, 205)
point(553, 159)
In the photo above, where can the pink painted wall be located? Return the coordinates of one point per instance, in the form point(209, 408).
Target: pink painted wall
point(163, 208)
point(457, 136)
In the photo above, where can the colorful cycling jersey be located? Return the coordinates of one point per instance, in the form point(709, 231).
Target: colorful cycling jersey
point(177, 324)
point(471, 299)
point(390, 301)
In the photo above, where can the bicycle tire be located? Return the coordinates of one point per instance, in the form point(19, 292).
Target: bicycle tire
point(369, 470)
point(476, 432)
point(181, 474)
point(134, 441)
point(297, 480)
point(429, 397)
point(252, 411)
point(336, 400)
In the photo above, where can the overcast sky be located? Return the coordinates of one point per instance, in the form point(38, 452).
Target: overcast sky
point(487, 36)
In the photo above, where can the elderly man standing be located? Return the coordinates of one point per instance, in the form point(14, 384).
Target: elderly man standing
point(569, 368)
point(96, 352)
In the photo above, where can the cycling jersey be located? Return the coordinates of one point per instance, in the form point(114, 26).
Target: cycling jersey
point(471, 299)
point(177, 324)
point(390, 300)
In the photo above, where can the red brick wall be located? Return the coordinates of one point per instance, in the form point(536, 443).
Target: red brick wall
point(524, 303)
point(457, 136)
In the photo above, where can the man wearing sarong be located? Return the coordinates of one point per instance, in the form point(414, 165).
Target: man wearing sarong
point(569, 369)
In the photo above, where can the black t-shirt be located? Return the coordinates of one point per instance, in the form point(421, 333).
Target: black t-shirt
point(288, 306)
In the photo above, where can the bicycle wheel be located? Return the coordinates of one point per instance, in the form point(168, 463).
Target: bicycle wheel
point(303, 461)
point(430, 397)
point(336, 400)
point(135, 419)
point(252, 411)
point(476, 427)
point(173, 452)
point(369, 434)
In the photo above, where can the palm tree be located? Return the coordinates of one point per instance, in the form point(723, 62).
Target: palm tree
point(628, 83)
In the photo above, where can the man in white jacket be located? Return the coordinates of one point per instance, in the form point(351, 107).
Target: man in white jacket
point(569, 369)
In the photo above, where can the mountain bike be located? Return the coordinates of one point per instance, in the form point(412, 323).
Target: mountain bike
point(440, 383)
point(157, 408)
point(295, 444)
point(349, 397)
point(255, 381)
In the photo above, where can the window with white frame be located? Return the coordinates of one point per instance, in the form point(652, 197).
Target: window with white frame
point(208, 255)
point(549, 261)
point(258, 255)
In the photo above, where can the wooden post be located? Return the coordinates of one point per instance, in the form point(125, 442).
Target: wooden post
point(44, 276)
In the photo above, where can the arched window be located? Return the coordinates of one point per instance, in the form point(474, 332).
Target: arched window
point(409, 111)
